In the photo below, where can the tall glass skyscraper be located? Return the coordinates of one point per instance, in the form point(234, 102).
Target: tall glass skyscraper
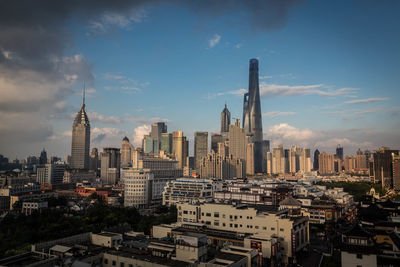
point(80, 139)
point(252, 121)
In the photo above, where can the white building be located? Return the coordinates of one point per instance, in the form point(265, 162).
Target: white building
point(141, 188)
point(262, 220)
point(190, 190)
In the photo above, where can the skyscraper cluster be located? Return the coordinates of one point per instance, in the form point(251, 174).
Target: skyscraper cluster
point(293, 160)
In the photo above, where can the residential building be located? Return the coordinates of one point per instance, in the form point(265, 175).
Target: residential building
point(220, 167)
point(326, 163)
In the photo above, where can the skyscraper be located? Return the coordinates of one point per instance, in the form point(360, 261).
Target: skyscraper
point(215, 139)
point(43, 157)
point(80, 139)
point(200, 148)
point(157, 129)
point(225, 120)
point(339, 152)
point(110, 165)
point(179, 148)
point(94, 159)
point(252, 122)
point(126, 153)
point(316, 160)
point(166, 143)
point(237, 141)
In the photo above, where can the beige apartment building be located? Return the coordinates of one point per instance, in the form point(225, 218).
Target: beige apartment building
point(258, 220)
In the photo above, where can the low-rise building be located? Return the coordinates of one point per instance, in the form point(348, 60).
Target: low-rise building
point(106, 239)
point(28, 207)
point(257, 219)
point(190, 190)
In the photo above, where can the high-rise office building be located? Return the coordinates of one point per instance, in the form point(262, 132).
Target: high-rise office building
point(252, 121)
point(237, 141)
point(339, 152)
point(110, 165)
point(94, 159)
point(215, 139)
point(166, 143)
point(43, 157)
point(126, 153)
point(200, 148)
point(80, 139)
point(179, 148)
point(148, 144)
point(225, 120)
point(316, 160)
point(265, 149)
point(157, 129)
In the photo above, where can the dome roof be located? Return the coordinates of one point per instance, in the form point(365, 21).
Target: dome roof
point(125, 139)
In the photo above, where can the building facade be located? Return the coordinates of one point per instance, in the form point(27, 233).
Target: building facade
point(200, 148)
point(80, 140)
point(110, 165)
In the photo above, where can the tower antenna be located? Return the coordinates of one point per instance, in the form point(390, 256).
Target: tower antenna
point(83, 99)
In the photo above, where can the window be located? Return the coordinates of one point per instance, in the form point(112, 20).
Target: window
point(236, 226)
point(130, 265)
point(208, 214)
point(105, 261)
point(359, 256)
point(264, 228)
point(230, 225)
point(185, 212)
point(223, 224)
point(216, 223)
point(122, 264)
point(202, 214)
point(114, 263)
point(272, 229)
point(256, 227)
point(216, 214)
point(223, 215)
point(281, 229)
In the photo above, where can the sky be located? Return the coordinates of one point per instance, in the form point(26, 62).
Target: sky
point(329, 70)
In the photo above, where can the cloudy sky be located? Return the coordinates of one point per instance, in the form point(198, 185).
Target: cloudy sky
point(329, 70)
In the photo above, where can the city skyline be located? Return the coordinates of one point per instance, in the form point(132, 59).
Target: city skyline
point(319, 93)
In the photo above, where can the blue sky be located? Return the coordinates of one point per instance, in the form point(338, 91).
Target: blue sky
point(329, 74)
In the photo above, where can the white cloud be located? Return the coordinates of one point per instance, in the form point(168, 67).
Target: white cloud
point(214, 41)
point(367, 100)
point(238, 46)
point(275, 90)
point(264, 77)
point(271, 90)
point(110, 21)
point(138, 134)
point(96, 117)
point(274, 114)
point(285, 131)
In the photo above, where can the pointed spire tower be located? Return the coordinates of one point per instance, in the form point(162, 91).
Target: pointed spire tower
point(225, 120)
point(80, 138)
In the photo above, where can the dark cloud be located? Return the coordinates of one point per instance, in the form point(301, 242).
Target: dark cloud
point(99, 138)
